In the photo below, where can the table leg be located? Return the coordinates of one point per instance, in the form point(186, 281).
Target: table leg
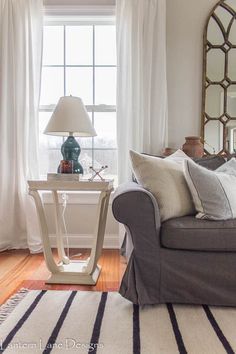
point(99, 231)
point(60, 245)
point(51, 264)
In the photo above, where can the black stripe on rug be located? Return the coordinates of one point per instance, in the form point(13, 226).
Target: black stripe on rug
point(97, 324)
point(217, 330)
point(136, 330)
point(20, 323)
point(61, 319)
point(175, 326)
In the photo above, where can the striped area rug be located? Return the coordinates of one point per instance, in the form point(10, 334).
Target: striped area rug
point(105, 323)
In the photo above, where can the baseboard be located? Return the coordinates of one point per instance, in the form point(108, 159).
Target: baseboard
point(86, 241)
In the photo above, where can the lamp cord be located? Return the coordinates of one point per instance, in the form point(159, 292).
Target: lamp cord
point(64, 204)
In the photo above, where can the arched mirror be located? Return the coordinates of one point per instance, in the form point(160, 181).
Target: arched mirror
point(219, 80)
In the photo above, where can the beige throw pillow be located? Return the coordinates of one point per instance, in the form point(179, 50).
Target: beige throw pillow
point(164, 178)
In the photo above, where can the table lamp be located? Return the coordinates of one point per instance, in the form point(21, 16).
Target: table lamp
point(71, 119)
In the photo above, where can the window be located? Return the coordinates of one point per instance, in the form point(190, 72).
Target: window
point(80, 60)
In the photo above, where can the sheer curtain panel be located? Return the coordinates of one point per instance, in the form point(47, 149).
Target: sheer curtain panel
point(141, 79)
point(21, 30)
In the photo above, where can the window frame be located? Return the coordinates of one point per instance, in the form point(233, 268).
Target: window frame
point(71, 16)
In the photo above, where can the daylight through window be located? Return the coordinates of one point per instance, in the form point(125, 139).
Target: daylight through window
point(80, 60)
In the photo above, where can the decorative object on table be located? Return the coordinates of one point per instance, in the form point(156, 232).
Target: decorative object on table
point(96, 172)
point(66, 166)
point(63, 176)
point(168, 151)
point(71, 119)
point(193, 146)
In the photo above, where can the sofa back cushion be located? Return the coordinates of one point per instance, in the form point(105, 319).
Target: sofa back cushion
point(210, 162)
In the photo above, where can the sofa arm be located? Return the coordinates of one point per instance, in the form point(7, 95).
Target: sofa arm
point(137, 209)
point(134, 204)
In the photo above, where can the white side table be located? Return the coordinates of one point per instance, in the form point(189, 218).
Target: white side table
point(68, 271)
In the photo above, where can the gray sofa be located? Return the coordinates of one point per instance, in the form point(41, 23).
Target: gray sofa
point(183, 260)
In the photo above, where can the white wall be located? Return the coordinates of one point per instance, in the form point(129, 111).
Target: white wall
point(185, 25)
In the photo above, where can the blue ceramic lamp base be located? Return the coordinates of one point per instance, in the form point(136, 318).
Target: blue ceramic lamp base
point(70, 150)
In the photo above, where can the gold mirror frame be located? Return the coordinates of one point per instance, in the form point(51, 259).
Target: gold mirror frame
point(222, 124)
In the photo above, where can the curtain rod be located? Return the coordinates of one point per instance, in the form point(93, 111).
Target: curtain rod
point(81, 10)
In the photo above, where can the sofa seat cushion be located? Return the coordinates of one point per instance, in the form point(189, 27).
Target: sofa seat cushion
point(189, 233)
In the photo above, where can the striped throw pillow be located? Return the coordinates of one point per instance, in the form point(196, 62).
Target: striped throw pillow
point(213, 192)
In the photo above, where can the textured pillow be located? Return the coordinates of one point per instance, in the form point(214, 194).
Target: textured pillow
point(213, 192)
point(228, 167)
point(164, 178)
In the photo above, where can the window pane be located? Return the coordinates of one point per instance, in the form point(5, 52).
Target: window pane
point(105, 86)
point(49, 161)
point(53, 47)
point(85, 143)
point(106, 157)
point(105, 126)
point(79, 45)
point(47, 141)
point(49, 147)
point(79, 82)
point(52, 87)
point(86, 161)
point(105, 45)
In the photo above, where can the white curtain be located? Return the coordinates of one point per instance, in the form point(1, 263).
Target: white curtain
point(141, 79)
point(21, 29)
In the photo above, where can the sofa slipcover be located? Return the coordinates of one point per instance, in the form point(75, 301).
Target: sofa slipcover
point(159, 274)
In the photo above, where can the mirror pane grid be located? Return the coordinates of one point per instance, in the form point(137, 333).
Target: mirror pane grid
point(219, 86)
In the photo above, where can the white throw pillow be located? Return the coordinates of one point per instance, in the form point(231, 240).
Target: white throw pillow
point(213, 192)
point(178, 156)
point(164, 178)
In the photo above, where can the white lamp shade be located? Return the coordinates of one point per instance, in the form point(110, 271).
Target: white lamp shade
point(70, 117)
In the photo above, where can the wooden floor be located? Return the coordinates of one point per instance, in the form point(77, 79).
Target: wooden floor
point(20, 269)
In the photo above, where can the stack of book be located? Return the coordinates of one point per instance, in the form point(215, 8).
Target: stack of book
point(63, 176)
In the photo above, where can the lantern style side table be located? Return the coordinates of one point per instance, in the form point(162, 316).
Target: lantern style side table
point(68, 271)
